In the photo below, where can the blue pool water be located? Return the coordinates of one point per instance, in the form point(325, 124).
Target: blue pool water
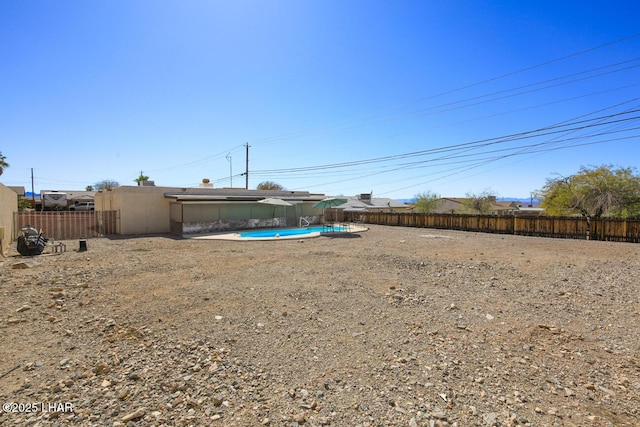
point(286, 232)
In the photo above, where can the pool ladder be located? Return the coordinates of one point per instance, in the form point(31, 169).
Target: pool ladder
point(304, 222)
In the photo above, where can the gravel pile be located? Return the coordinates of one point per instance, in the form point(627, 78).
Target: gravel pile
point(391, 327)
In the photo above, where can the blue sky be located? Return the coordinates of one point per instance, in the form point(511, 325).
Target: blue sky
point(336, 97)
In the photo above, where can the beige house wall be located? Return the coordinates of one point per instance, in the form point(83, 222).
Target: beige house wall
point(8, 206)
point(143, 210)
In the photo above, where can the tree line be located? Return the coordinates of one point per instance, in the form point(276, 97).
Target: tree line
point(593, 192)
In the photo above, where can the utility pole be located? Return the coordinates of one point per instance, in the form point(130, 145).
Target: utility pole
point(33, 193)
point(246, 173)
point(228, 157)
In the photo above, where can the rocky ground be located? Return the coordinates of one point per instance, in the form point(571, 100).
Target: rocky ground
point(390, 327)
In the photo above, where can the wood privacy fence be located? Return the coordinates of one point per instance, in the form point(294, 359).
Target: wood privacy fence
point(66, 225)
point(618, 230)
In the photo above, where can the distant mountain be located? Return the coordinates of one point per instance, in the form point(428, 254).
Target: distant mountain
point(524, 200)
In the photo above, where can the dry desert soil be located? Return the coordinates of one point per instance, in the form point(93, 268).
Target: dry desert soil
point(390, 327)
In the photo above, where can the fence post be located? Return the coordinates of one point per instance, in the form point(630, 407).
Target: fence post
point(15, 228)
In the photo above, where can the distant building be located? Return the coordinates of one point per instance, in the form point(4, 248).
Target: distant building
point(365, 202)
point(461, 205)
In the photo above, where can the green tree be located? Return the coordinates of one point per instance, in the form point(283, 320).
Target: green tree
point(480, 203)
point(23, 203)
point(269, 185)
point(595, 192)
point(106, 184)
point(3, 163)
point(426, 202)
point(88, 188)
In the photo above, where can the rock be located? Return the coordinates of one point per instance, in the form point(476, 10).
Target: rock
point(102, 368)
point(439, 414)
point(489, 418)
point(24, 265)
point(607, 391)
point(138, 413)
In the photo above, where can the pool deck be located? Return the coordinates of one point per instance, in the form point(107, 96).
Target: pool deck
point(351, 228)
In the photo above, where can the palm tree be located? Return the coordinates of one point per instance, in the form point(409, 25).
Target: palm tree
point(3, 163)
point(142, 178)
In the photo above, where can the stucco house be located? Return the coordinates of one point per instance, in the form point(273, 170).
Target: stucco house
point(151, 209)
point(365, 202)
point(460, 205)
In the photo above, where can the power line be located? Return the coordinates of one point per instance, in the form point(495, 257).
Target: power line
point(367, 119)
point(298, 134)
point(479, 143)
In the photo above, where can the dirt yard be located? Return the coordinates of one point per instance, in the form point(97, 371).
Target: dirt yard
point(390, 327)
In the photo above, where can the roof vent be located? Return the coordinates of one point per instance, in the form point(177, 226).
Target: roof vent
point(365, 197)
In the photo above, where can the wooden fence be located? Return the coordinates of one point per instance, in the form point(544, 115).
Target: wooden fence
point(618, 230)
point(66, 225)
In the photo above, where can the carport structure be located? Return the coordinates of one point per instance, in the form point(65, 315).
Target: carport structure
point(237, 209)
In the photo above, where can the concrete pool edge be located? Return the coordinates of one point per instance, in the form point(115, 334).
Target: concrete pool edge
point(235, 236)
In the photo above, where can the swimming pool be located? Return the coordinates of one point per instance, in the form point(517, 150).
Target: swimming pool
point(282, 232)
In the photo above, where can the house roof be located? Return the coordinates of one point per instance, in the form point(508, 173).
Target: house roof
point(18, 190)
point(356, 203)
point(207, 195)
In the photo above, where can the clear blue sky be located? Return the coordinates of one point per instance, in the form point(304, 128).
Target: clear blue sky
point(335, 97)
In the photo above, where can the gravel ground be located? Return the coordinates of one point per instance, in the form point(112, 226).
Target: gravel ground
point(390, 327)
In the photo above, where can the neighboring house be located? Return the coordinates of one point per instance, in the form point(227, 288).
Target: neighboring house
point(450, 205)
point(505, 208)
point(18, 190)
point(460, 205)
point(455, 205)
point(366, 203)
point(515, 208)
